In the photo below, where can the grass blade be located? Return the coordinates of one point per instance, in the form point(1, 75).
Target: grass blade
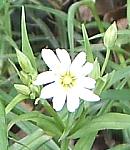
point(3, 129)
point(70, 23)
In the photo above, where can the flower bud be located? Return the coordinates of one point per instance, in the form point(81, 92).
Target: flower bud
point(35, 90)
point(22, 89)
point(95, 74)
point(110, 36)
point(24, 62)
point(25, 78)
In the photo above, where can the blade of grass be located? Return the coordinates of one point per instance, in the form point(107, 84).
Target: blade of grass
point(3, 129)
point(70, 24)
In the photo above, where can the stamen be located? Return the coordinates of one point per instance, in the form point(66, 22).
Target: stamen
point(67, 80)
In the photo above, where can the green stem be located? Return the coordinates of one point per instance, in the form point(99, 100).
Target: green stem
point(65, 144)
point(128, 12)
point(51, 111)
point(106, 61)
point(68, 126)
point(87, 45)
point(14, 102)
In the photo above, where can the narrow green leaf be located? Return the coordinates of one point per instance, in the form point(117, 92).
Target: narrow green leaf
point(118, 75)
point(44, 122)
point(123, 94)
point(105, 61)
point(86, 143)
point(87, 45)
point(26, 48)
point(14, 102)
point(3, 129)
point(34, 141)
point(64, 144)
point(26, 127)
point(14, 66)
point(101, 83)
point(107, 121)
point(70, 24)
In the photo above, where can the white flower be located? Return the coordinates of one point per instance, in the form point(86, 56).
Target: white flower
point(67, 81)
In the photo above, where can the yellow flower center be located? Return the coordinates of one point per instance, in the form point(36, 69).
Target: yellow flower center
point(67, 80)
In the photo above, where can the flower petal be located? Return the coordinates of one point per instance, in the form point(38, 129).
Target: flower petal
point(78, 62)
point(44, 78)
point(50, 59)
point(59, 100)
point(72, 101)
point(48, 91)
point(88, 95)
point(64, 58)
point(87, 68)
point(87, 82)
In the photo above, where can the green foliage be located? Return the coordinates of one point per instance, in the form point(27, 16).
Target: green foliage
point(34, 141)
point(87, 45)
point(3, 128)
point(47, 25)
point(107, 121)
point(2, 2)
point(24, 62)
point(26, 48)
